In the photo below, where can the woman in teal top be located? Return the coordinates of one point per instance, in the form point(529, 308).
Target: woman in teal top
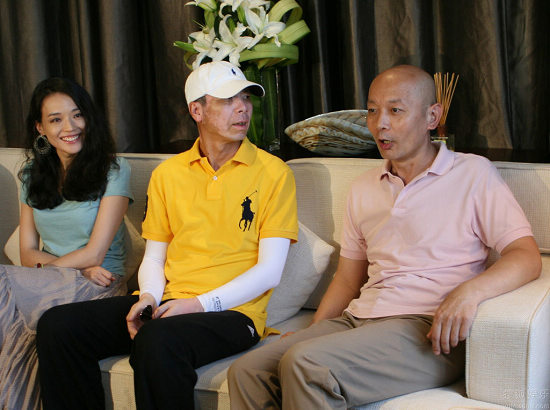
point(68, 227)
point(74, 195)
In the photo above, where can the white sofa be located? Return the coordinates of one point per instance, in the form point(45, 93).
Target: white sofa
point(508, 353)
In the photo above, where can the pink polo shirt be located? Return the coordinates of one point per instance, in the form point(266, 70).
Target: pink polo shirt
point(424, 239)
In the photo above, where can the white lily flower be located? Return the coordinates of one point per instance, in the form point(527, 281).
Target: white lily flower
point(204, 44)
point(256, 4)
point(231, 43)
point(233, 3)
point(245, 4)
point(260, 25)
point(209, 5)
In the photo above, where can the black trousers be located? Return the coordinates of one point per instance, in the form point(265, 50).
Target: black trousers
point(164, 354)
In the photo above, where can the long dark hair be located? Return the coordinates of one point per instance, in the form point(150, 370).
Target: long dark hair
point(86, 176)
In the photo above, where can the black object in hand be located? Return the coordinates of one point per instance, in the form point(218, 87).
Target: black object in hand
point(146, 314)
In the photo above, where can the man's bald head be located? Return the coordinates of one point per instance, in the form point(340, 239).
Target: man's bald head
point(419, 81)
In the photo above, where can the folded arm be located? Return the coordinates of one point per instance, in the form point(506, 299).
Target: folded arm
point(89, 258)
point(519, 264)
point(109, 217)
point(29, 240)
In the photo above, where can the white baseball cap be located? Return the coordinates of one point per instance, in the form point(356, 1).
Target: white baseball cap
point(219, 79)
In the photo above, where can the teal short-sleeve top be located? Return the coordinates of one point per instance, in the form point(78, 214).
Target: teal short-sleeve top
point(68, 226)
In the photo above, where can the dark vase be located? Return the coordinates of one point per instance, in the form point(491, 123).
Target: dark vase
point(265, 128)
point(444, 136)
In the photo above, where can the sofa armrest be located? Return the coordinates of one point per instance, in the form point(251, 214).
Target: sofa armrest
point(507, 353)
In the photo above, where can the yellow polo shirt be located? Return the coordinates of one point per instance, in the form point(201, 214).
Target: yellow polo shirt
point(214, 220)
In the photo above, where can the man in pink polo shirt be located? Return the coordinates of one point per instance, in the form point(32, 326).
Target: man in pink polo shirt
point(411, 275)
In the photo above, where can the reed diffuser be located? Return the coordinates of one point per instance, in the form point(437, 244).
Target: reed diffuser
point(444, 90)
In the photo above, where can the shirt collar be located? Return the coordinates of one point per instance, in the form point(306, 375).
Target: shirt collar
point(194, 152)
point(246, 153)
point(442, 163)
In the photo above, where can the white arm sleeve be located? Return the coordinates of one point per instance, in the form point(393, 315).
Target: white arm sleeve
point(266, 274)
point(151, 271)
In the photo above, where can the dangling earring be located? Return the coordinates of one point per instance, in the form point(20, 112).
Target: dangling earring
point(42, 145)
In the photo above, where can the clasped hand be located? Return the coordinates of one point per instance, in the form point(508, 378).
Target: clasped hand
point(170, 308)
point(98, 275)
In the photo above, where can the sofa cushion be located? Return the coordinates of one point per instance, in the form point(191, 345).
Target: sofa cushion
point(451, 397)
point(306, 262)
point(12, 248)
point(135, 247)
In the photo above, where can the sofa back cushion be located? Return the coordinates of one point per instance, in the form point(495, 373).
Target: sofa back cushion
point(322, 185)
point(142, 166)
point(305, 265)
point(10, 163)
point(530, 184)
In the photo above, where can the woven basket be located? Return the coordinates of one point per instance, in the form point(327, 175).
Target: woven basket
point(338, 133)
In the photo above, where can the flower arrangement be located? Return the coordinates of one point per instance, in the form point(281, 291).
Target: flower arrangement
point(257, 35)
point(246, 30)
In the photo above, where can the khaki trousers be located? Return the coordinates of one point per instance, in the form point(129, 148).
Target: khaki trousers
point(342, 363)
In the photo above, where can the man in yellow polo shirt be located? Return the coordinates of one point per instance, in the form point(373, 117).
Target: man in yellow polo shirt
point(219, 221)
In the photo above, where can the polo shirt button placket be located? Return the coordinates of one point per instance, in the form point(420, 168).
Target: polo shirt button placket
point(213, 190)
point(397, 207)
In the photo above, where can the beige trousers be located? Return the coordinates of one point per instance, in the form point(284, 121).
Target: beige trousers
point(342, 363)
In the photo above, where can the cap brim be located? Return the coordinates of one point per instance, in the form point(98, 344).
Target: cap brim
point(234, 87)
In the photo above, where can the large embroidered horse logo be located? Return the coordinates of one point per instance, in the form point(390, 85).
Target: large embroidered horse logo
point(247, 215)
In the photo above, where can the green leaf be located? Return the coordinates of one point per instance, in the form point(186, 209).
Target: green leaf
point(209, 18)
point(295, 16)
point(270, 62)
point(185, 46)
point(242, 17)
point(282, 7)
point(230, 24)
point(186, 57)
point(291, 34)
point(270, 50)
